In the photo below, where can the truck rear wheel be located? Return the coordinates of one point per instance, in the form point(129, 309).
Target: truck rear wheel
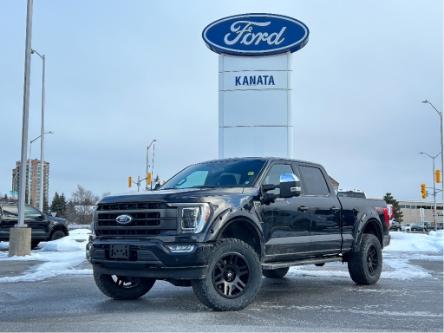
point(275, 273)
point(233, 277)
point(365, 265)
point(122, 287)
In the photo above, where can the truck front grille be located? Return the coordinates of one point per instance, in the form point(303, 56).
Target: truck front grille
point(148, 219)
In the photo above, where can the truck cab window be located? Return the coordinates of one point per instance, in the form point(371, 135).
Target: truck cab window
point(194, 179)
point(313, 181)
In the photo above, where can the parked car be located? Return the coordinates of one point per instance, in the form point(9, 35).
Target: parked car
point(417, 227)
point(406, 227)
point(395, 226)
point(43, 227)
point(351, 194)
point(218, 226)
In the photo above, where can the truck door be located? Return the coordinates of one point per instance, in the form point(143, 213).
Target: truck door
point(324, 210)
point(286, 227)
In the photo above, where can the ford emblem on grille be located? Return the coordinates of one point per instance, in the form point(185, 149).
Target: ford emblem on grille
point(124, 219)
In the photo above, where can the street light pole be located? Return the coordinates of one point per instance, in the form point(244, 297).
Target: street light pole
point(433, 157)
point(42, 130)
point(147, 166)
point(20, 236)
point(441, 124)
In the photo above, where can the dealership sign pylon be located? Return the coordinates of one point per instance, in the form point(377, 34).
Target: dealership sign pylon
point(255, 115)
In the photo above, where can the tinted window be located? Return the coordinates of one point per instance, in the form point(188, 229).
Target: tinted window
point(313, 181)
point(224, 173)
point(273, 176)
point(11, 212)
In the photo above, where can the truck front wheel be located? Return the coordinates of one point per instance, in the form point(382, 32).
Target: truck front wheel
point(365, 265)
point(233, 276)
point(123, 287)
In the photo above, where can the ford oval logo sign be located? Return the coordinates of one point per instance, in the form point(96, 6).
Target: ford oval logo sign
point(124, 219)
point(256, 34)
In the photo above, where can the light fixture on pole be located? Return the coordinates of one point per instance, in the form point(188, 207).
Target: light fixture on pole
point(433, 157)
point(30, 164)
point(42, 130)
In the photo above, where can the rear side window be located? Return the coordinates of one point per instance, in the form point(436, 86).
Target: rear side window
point(313, 181)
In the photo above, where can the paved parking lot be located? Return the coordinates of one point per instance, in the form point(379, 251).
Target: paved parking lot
point(307, 300)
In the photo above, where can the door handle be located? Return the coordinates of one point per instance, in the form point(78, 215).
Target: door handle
point(302, 208)
point(335, 209)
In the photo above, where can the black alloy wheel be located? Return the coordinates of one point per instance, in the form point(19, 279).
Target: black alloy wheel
point(231, 275)
point(372, 260)
point(122, 287)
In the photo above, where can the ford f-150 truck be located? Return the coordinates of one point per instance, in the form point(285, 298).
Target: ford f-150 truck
point(219, 226)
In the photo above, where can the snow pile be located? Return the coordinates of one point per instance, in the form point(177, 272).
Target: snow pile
point(74, 242)
point(415, 242)
point(62, 256)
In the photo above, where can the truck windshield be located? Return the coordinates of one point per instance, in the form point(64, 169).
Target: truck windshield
point(225, 173)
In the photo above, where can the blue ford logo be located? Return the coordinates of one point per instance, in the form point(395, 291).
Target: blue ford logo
point(124, 219)
point(256, 34)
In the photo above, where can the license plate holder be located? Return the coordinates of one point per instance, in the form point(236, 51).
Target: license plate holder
point(119, 252)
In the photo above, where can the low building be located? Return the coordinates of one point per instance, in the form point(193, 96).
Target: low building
point(418, 212)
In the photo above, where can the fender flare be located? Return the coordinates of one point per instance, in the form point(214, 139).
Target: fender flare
point(361, 227)
point(227, 217)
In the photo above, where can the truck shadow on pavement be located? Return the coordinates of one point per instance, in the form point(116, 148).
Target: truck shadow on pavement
point(287, 292)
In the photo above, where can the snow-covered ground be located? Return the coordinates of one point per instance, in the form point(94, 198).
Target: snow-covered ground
point(62, 256)
point(404, 247)
point(66, 255)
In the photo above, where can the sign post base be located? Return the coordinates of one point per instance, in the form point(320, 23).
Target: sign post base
point(19, 241)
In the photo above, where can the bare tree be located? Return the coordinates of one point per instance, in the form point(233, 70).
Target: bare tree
point(81, 205)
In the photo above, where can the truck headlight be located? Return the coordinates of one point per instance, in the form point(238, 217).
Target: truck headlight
point(193, 217)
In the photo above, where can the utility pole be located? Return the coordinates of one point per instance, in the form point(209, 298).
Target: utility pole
point(147, 165)
point(20, 235)
point(42, 131)
point(441, 125)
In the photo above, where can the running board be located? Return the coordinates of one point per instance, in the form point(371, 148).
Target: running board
point(282, 264)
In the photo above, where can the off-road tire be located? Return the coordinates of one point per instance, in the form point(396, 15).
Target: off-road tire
point(365, 265)
point(113, 286)
point(220, 265)
point(275, 273)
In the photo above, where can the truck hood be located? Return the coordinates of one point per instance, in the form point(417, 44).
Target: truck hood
point(177, 195)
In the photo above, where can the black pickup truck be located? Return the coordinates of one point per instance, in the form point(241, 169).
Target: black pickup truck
point(219, 226)
point(43, 227)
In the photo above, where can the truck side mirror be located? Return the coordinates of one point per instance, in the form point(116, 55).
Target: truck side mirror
point(289, 185)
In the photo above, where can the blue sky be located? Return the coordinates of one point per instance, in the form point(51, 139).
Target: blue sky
point(120, 73)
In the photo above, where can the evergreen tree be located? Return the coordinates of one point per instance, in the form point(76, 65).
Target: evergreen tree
point(58, 204)
point(62, 205)
point(389, 199)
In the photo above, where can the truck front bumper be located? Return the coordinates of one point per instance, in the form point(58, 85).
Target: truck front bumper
point(150, 258)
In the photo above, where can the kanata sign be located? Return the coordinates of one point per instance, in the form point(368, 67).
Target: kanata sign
point(256, 34)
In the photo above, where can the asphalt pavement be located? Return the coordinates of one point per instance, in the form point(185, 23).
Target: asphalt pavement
point(296, 303)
